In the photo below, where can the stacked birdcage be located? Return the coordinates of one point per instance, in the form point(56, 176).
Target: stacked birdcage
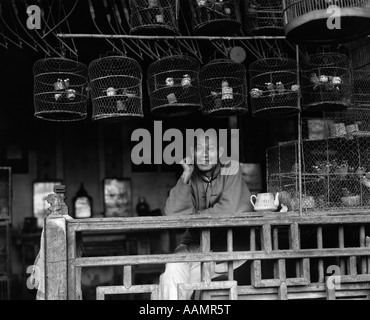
point(223, 88)
point(264, 17)
point(116, 88)
point(173, 86)
point(154, 17)
point(326, 21)
point(60, 89)
point(274, 87)
point(215, 17)
point(335, 163)
point(326, 82)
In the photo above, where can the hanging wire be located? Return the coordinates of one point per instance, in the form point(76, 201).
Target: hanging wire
point(21, 40)
point(92, 13)
point(65, 18)
point(48, 46)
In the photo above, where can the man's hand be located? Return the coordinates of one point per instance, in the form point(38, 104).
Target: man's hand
point(188, 166)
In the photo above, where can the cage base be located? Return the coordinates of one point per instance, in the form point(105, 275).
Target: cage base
point(280, 112)
point(116, 117)
point(217, 28)
point(60, 116)
point(311, 28)
point(175, 110)
point(224, 113)
point(325, 106)
point(153, 30)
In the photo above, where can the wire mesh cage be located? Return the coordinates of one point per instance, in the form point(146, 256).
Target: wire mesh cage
point(335, 158)
point(223, 88)
point(359, 53)
point(154, 17)
point(361, 88)
point(173, 86)
point(326, 82)
point(264, 17)
point(326, 21)
point(116, 88)
point(274, 87)
point(215, 17)
point(60, 89)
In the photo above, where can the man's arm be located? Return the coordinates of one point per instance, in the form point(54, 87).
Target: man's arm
point(235, 197)
point(180, 200)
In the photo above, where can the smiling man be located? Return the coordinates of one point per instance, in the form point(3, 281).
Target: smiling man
point(206, 186)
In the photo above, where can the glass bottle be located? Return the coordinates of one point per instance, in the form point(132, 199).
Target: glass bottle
point(142, 207)
point(82, 204)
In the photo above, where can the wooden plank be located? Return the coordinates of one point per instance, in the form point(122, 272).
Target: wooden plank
point(283, 292)
point(342, 265)
point(306, 269)
point(127, 276)
point(294, 236)
point(183, 288)
point(205, 244)
point(230, 248)
point(299, 281)
point(352, 266)
point(252, 239)
point(330, 292)
point(256, 275)
point(101, 291)
point(355, 278)
point(281, 269)
point(362, 239)
point(55, 246)
point(266, 238)
point(321, 261)
point(275, 246)
point(217, 256)
point(268, 283)
point(367, 241)
point(204, 221)
point(71, 243)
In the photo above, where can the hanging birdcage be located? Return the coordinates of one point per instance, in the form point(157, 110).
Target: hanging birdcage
point(326, 21)
point(215, 17)
point(60, 89)
point(326, 82)
point(173, 85)
point(223, 88)
point(154, 17)
point(116, 88)
point(264, 17)
point(274, 88)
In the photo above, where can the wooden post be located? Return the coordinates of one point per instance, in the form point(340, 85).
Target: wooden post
point(55, 246)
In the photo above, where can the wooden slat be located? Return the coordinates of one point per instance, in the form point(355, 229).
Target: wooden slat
point(266, 238)
point(256, 275)
point(352, 266)
point(101, 292)
point(217, 256)
point(252, 239)
point(283, 292)
point(205, 243)
point(127, 276)
point(321, 261)
point(368, 258)
point(330, 292)
point(275, 246)
point(294, 236)
point(342, 265)
point(204, 221)
point(72, 255)
point(183, 288)
point(362, 239)
point(306, 269)
point(230, 248)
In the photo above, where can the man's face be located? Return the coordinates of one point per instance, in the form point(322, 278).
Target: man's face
point(206, 153)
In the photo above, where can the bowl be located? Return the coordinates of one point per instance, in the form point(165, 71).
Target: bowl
point(351, 201)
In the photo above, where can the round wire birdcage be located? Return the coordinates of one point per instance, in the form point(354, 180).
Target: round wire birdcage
point(116, 88)
point(326, 21)
point(60, 89)
point(264, 17)
point(326, 82)
point(173, 86)
point(215, 17)
point(274, 89)
point(361, 88)
point(154, 17)
point(223, 88)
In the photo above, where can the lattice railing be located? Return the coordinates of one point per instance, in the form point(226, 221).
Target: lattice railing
point(302, 252)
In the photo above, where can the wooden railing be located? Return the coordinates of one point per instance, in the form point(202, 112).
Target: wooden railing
point(276, 240)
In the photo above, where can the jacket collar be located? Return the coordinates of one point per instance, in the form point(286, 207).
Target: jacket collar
point(214, 174)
